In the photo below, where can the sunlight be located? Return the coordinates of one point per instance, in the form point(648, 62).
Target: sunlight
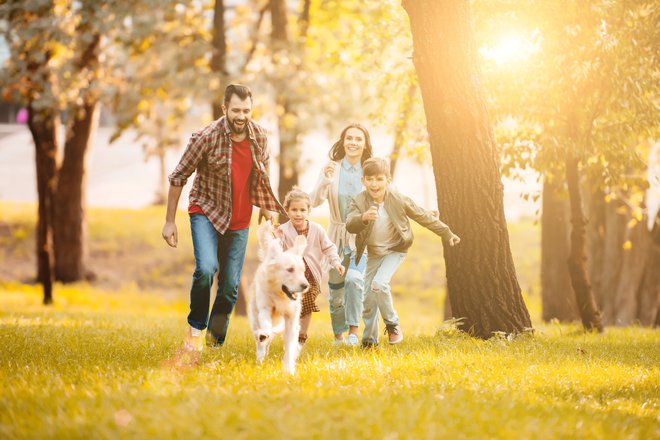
point(512, 48)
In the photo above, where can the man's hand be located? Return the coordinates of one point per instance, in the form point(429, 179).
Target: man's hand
point(329, 170)
point(169, 234)
point(341, 269)
point(264, 214)
point(454, 240)
point(370, 214)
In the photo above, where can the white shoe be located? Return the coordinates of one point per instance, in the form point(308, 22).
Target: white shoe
point(341, 341)
point(352, 340)
point(193, 341)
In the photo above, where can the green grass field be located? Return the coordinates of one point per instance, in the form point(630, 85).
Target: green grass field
point(105, 360)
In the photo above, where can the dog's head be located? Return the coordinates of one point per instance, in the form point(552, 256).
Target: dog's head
point(287, 267)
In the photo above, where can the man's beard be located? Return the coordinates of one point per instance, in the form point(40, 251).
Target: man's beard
point(235, 129)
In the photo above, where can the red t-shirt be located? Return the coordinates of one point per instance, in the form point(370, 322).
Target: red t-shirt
point(241, 169)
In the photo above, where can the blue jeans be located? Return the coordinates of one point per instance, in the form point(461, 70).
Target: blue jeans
point(345, 294)
point(378, 295)
point(215, 252)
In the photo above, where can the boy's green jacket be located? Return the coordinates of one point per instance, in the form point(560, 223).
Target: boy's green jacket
point(399, 208)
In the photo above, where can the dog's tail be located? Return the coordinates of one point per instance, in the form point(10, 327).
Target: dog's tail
point(265, 234)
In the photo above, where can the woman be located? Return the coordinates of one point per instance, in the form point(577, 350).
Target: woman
point(338, 182)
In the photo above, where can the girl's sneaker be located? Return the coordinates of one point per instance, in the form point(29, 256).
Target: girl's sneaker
point(352, 340)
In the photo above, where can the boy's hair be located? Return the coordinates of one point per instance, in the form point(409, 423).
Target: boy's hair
point(243, 92)
point(375, 166)
point(297, 194)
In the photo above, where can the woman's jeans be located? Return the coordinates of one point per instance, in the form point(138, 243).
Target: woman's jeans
point(223, 253)
point(378, 295)
point(346, 294)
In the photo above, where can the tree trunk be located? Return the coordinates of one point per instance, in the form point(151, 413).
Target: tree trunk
point(481, 278)
point(44, 127)
point(219, 59)
point(70, 228)
point(577, 256)
point(596, 213)
point(405, 114)
point(648, 302)
point(556, 293)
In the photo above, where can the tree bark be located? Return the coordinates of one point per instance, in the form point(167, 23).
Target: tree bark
point(44, 126)
point(648, 297)
point(481, 278)
point(401, 126)
point(577, 268)
point(596, 213)
point(219, 59)
point(556, 293)
point(70, 227)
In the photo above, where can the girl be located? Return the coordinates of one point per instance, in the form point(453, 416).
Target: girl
point(338, 182)
point(297, 205)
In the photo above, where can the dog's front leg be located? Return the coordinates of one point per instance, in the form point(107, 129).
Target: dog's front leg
point(291, 349)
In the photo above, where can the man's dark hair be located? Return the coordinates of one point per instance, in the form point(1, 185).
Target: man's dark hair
point(239, 90)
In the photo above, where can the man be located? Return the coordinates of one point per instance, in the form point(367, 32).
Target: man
point(232, 161)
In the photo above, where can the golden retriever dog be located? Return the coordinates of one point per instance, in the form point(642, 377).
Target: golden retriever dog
point(279, 284)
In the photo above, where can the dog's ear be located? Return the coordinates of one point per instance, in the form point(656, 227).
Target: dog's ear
point(274, 249)
point(299, 245)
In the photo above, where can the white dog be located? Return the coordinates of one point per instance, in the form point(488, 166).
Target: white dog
point(279, 284)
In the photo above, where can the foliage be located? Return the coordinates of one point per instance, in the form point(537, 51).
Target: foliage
point(581, 82)
point(106, 366)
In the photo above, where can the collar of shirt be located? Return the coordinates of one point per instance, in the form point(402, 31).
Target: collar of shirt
point(348, 167)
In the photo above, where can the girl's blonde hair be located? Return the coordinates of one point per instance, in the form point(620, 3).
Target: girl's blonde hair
point(297, 194)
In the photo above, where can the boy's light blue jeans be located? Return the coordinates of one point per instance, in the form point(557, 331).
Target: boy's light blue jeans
point(345, 294)
point(223, 253)
point(378, 295)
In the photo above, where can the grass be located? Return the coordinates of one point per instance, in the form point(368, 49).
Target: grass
point(102, 365)
point(105, 362)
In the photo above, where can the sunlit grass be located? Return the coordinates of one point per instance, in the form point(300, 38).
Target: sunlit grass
point(108, 365)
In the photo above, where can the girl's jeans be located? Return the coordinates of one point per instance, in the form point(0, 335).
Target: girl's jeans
point(214, 251)
point(346, 293)
point(378, 295)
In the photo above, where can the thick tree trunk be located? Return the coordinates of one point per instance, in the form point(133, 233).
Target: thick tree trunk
point(481, 278)
point(70, 228)
point(44, 127)
point(577, 257)
point(218, 61)
point(556, 293)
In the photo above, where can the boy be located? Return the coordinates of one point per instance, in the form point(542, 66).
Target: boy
point(379, 217)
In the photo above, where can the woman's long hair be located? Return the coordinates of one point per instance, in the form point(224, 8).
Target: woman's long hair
point(337, 151)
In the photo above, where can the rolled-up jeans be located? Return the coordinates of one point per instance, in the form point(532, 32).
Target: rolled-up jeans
point(378, 295)
point(345, 294)
point(215, 252)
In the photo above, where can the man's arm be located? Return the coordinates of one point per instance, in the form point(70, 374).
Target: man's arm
point(169, 230)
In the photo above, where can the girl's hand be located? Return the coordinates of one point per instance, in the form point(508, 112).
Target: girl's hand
point(435, 214)
point(277, 231)
point(329, 170)
point(339, 268)
point(454, 240)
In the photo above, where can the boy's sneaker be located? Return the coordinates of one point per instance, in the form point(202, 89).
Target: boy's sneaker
point(193, 341)
point(394, 333)
point(352, 340)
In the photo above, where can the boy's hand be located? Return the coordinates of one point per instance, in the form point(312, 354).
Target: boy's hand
point(454, 240)
point(329, 170)
point(370, 214)
point(339, 268)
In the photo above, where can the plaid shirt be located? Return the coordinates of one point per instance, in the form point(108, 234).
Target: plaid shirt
point(209, 153)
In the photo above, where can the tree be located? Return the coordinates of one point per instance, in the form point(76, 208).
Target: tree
point(481, 279)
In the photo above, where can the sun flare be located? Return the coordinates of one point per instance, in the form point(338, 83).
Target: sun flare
point(511, 48)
